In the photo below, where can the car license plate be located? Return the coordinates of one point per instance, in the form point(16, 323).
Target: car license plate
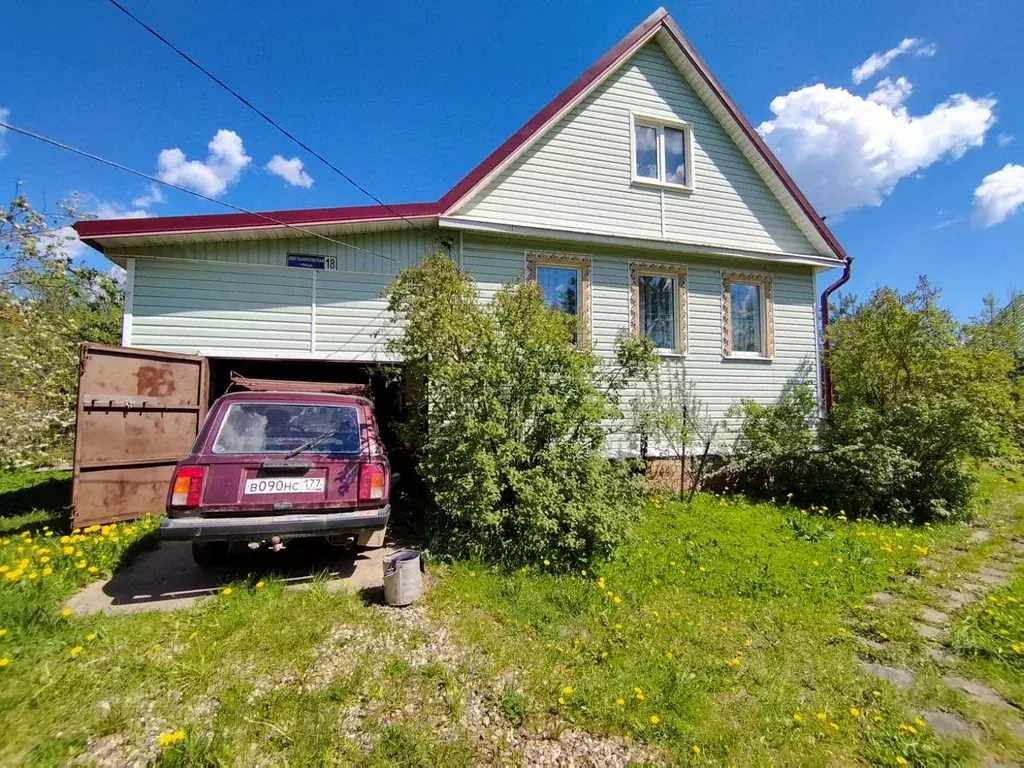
point(257, 485)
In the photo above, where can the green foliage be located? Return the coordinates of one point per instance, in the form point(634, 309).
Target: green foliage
point(776, 441)
point(716, 620)
point(511, 445)
point(993, 629)
point(49, 305)
point(513, 705)
point(919, 401)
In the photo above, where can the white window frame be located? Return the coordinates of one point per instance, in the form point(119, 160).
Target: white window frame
point(638, 269)
point(764, 281)
point(660, 124)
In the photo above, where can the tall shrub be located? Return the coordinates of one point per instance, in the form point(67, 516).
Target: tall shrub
point(511, 443)
point(920, 400)
point(49, 305)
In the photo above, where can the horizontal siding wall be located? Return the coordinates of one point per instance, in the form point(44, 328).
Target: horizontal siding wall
point(578, 176)
point(720, 383)
point(241, 300)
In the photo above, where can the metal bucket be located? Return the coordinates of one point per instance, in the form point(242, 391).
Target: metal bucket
point(403, 583)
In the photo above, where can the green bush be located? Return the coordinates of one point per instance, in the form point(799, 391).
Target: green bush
point(920, 401)
point(511, 446)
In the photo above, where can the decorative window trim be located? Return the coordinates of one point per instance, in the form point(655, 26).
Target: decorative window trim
point(660, 124)
point(638, 269)
point(579, 261)
point(764, 280)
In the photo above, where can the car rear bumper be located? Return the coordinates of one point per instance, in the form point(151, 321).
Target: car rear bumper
point(286, 526)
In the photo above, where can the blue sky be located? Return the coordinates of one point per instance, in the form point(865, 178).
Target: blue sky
point(407, 97)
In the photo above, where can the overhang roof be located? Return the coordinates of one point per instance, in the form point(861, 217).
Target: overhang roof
point(660, 25)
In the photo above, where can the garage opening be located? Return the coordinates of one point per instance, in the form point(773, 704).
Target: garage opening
point(391, 397)
point(139, 411)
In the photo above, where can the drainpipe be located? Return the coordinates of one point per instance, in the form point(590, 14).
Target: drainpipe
point(826, 374)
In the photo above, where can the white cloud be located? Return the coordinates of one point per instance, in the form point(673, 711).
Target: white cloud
point(222, 167)
point(153, 196)
point(102, 209)
point(5, 115)
point(890, 93)
point(1005, 139)
point(290, 170)
point(999, 196)
point(847, 152)
point(876, 62)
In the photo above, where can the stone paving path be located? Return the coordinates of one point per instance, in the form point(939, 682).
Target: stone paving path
point(932, 624)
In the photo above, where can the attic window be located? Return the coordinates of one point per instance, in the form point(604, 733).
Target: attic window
point(662, 152)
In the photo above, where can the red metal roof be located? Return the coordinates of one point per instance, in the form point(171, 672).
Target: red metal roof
point(660, 18)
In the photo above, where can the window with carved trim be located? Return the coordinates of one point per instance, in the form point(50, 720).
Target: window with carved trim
point(659, 304)
point(564, 280)
point(747, 314)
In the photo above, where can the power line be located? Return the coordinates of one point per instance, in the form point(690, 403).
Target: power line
point(260, 112)
point(155, 180)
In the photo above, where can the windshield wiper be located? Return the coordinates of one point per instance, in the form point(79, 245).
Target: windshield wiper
point(311, 443)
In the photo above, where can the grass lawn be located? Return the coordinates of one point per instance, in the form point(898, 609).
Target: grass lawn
point(718, 635)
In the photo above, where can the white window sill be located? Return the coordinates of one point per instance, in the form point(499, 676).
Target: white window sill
point(658, 184)
point(669, 353)
point(750, 357)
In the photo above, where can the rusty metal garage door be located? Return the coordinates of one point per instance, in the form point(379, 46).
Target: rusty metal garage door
point(138, 413)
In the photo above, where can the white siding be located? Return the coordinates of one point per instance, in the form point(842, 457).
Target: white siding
point(240, 300)
point(720, 382)
point(578, 176)
point(213, 300)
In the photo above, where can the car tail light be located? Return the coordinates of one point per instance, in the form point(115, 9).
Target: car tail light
point(188, 487)
point(371, 482)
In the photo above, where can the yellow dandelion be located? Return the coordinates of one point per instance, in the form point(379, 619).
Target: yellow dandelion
point(616, 599)
point(44, 559)
point(567, 690)
point(68, 550)
point(908, 729)
point(919, 722)
point(226, 591)
point(604, 654)
point(561, 700)
point(655, 719)
point(76, 650)
point(902, 761)
point(854, 711)
point(93, 569)
point(260, 584)
point(3, 632)
point(669, 655)
point(4, 661)
point(815, 563)
point(472, 573)
point(833, 726)
point(66, 612)
point(91, 636)
point(583, 572)
point(47, 571)
point(702, 569)
point(798, 718)
point(821, 716)
point(695, 749)
point(169, 738)
point(878, 718)
point(547, 562)
point(620, 701)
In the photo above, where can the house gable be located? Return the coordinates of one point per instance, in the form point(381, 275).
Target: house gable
point(578, 174)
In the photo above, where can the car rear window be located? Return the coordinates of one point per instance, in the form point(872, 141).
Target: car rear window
point(283, 427)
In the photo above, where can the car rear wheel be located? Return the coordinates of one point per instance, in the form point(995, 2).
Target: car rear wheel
point(210, 554)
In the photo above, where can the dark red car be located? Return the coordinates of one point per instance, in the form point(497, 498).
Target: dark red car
point(271, 466)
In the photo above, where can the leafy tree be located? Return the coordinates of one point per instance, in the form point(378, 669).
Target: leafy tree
point(511, 444)
point(919, 400)
point(670, 414)
point(49, 305)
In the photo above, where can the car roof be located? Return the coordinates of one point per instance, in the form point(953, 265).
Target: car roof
point(321, 398)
